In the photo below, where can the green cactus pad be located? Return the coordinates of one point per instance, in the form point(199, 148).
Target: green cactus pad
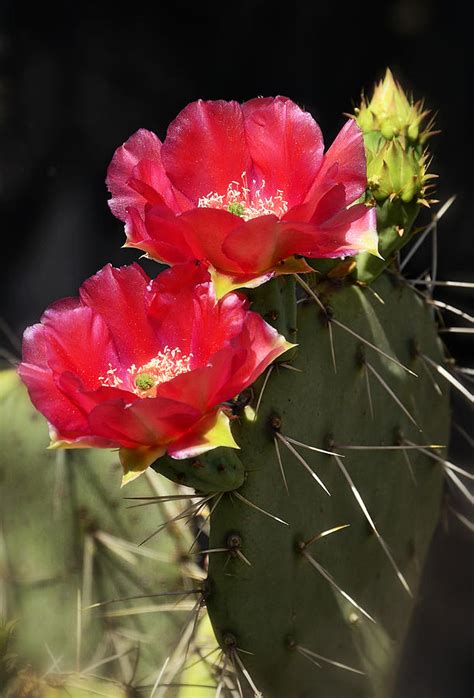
point(268, 603)
point(66, 529)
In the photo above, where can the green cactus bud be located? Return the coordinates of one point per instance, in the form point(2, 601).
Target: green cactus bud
point(398, 182)
point(395, 172)
point(393, 114)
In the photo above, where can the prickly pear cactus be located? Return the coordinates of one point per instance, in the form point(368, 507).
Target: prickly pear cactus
point(286, 595)
point(318, 526)
point(66, 544)
point(315, 560)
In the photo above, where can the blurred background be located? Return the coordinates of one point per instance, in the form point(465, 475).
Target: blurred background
point(77, 79)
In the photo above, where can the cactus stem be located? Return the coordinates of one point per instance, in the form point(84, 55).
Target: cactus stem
point(371, 523)
point(325, 574)
point(391, 393)
point(267, 376)
point(313, 655)
point(254, 506)
point(280, 464)
point(450, 378)
point(302, 461)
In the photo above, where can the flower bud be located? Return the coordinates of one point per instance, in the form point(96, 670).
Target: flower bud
point(393, 114)
point(396, 172)
point(395, 132)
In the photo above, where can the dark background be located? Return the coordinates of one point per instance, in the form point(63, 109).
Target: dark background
point(77, 79)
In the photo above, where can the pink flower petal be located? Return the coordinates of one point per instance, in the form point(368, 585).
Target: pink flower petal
point(351, 231)
point(64, 334)
point(205, 148)
point(147, 422)
point(260, 244)
point(159, 233)
point(136, 176)
point(204, 324)
point(34, 371)
point(344, 163)
point(286, 146)
point(120, 296)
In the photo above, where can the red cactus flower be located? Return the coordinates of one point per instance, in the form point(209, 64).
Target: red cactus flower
point(243, 188)
point(145, 365)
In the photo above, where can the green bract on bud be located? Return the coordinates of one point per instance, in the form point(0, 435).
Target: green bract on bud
point(394, 171)
point(393, 114)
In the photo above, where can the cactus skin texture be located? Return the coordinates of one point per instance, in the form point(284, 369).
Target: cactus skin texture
point(60, 521)
point(281, 600)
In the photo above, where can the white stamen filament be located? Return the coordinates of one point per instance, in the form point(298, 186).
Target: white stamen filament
point(165, 366)
point(240, 200)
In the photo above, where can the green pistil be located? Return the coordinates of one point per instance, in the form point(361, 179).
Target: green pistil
point(145, 381)
point(236, 208)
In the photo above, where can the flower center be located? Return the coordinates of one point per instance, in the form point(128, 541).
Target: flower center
point(143, 380)
point(243, 202)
